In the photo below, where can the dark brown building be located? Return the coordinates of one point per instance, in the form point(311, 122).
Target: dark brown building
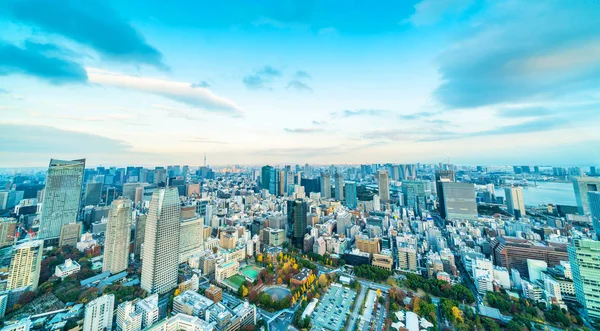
point(512, 252)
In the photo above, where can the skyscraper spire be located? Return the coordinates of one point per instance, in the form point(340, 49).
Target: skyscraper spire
point(205, 159)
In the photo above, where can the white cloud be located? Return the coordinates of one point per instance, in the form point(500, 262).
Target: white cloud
point(432, 11)
point(200, 98)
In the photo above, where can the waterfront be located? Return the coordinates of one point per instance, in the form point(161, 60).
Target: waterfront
point(546, 192)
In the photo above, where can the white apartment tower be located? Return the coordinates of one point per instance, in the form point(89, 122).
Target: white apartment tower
point(161, 242)
point(25, 265)
point(383, 182)
point(118, 233)
point(62, 196)
point(99, 314)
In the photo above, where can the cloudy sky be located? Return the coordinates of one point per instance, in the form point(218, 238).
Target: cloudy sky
point(252, 82)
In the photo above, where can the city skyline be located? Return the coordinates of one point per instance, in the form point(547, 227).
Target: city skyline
point(299, 81)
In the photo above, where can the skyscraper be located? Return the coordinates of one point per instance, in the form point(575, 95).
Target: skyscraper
point(265, 175)
point(118, 233)
point(383, 183)
point(161, 242)
point(325, 185)
point(413, 192)
point(442, 176)
point(93, 194)
point(299, 209)
point(140, 232)
point(583, 257)
point(61, 200)
point(514, 201)
point(99, 314)
point(350, 190)
point(581, 186)
point(339, 186)
point(69, 234)
point(25, 265)
point(459, 201)
point(594, 202)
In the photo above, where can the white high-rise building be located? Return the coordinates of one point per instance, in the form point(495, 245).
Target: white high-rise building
point(62, 196)
point(128, 319)
point(99, 314)
point(25, 265)
point(118, 233)
point(383, 182)
point(514, 201)
point(161, 242)
point(339, 186)
point(325, 185)
point(149, 310)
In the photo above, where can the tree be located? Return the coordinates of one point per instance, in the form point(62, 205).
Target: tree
point(323, 280)
point(457, 314)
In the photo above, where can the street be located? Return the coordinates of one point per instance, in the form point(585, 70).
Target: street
point(357, 305)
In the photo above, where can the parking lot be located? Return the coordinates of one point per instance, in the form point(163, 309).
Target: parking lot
point(333, 309)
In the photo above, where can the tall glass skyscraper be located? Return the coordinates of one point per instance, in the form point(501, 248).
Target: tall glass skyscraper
point(350, 190)
point(581, 186)
point(161, 242)
point(339, 186)
point(62, 197)
point(583, 257)
point(594, 202)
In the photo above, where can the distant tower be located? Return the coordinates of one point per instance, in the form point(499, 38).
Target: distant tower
point(383, 182)
point(514, 201)
point(325, 185)
point(161, 242)
point(205, 159)
point(118, 232)
point(339, 186)
point(63, 194)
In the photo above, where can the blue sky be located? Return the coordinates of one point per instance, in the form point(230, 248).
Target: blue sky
point(252, 82)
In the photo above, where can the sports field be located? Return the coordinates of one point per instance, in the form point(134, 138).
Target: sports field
point(250, 272)
point(235, 281)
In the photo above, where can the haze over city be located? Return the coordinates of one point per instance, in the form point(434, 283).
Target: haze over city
point(494, 82)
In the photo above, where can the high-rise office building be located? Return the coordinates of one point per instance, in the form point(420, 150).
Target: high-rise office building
point(413, 193)
point(514, 201)
point(140, 231)
point(459, 201)
point(339, 186)
point(583, 258)
point(69, 234)
point(581, 186)
point(25, 265)
point(118, 233)
point(265, 177)
point(161, 242)
point(351, 199)
point(442, 176)
point(594, 203)
point(299, 209)
point(98, 314)
point(62, 197)
point(110, 195)
point(325, 185)
point(383, 183)
point(8, 228)
point(93, 194)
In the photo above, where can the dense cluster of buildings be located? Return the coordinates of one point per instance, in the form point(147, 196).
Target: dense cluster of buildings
point(184, 228)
